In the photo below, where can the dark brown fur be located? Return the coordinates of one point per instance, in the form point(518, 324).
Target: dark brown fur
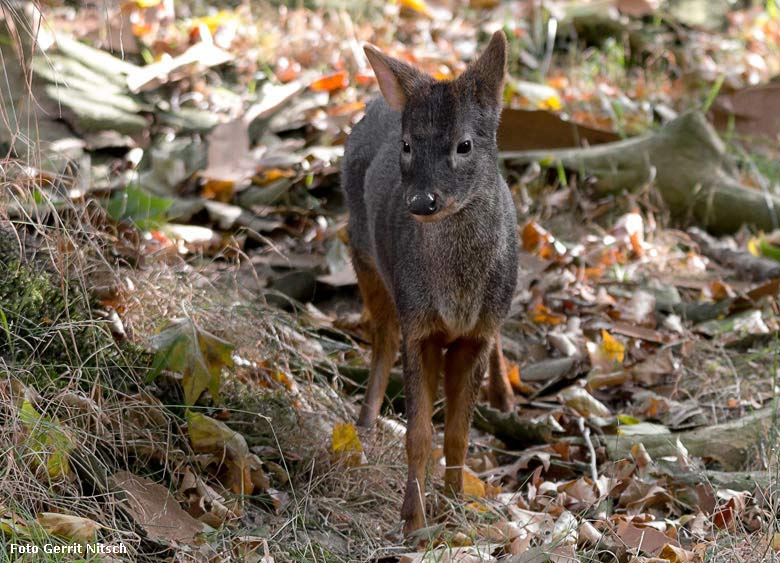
point(437, 283)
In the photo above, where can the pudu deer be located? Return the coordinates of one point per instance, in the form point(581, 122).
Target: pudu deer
point(433, 237)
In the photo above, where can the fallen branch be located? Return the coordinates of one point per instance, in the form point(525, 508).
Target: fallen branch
point(687, 162)
point(514, 431)
point(751, 481)
point(744, 264)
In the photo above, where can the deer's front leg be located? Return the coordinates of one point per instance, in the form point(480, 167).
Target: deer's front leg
point(422, 364)
point(464, 367)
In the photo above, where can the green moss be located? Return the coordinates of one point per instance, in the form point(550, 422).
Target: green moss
point(46, 325)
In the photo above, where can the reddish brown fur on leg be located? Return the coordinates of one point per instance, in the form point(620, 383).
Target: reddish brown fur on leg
point(500, 394)
point(464, 366)
point(384, 339)
point(422, 365)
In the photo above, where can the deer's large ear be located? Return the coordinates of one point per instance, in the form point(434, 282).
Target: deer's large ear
point(489, 71)
point(396, 79)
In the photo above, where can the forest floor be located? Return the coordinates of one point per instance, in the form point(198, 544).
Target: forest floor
point(181, 339)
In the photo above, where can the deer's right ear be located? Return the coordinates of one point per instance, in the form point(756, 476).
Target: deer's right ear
point(396, 79)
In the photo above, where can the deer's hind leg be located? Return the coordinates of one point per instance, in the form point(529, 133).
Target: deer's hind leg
point(385, 337)
point(500, 392)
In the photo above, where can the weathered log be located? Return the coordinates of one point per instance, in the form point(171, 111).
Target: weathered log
point(687, 162)
point(730, 444)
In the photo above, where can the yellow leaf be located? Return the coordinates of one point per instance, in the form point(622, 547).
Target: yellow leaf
point(147, 3)
point(476, 487)
point(552, 103)
point(47, 441)
point(418, 6)
point(478, 507)
point(345, 439)
point(611, 348)
point(776, 541)
point(754, 247)
point(208, 435)
point(215, 21)
point(346, 446)
point(75, 528)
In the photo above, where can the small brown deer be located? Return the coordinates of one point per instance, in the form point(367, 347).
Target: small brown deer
point(433, 236)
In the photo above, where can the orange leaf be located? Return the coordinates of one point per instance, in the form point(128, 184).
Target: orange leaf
point(365, 78)
point(542, 314)
point(476, 487)
point(533, 235)
point(611, 348)
point(594, 273)
point(473, 486)
point(331, 82)
point(636, 244)
point(284, 379)
point(344, 109)
point(142, 29)
point(218, 190)
point(272, 174)
point(720, 290)
point(514, 377)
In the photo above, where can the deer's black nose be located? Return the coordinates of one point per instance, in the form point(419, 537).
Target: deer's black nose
point(423, 204)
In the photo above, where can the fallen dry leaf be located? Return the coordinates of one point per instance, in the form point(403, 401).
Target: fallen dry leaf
point(198, 355)
point(417, 6)
point(584, 403)
point(346, 445)
point(541, 314)
point(75, 528)
point(47, 442)
point(244, 469)
point(676, 554)
point(332, 82)
point(611, 348)
point(156, 511)
point(648, 540)
point(522, 130)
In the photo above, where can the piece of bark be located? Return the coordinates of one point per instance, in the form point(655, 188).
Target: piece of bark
point(522, 129)
point(744, 264)
point(686, 161)
point(730, 444)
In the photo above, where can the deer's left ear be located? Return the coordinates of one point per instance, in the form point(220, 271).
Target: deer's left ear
point(489, 71)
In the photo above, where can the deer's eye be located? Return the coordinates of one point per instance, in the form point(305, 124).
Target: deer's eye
point(406, 148)
point(464, 147)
